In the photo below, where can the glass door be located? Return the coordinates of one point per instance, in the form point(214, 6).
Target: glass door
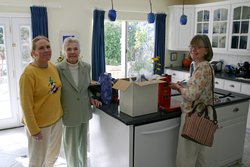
point(15, 40)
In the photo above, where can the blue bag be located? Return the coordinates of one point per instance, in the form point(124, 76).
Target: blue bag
point(106, 88)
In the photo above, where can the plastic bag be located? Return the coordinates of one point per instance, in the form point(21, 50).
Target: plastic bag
point(106, 88)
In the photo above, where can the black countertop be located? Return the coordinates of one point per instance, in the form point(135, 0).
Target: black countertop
point(114, 111)
point(221, 75)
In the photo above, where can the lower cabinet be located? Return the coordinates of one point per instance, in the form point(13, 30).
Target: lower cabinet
point(229, 139)
point(114, 144)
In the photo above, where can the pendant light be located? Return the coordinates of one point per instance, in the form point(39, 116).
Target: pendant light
point(112, 13)
point(183, 19)
point(151, 16)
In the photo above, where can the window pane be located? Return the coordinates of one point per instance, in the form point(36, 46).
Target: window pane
point(140, 48)
point(128, 49)
point(25, 43)
point(112, 36)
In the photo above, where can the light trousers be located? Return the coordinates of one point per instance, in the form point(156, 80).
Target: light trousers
point(189, 154)
point(45, 153)
point(75, 145)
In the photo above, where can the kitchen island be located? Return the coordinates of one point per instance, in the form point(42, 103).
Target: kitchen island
point(118, 140)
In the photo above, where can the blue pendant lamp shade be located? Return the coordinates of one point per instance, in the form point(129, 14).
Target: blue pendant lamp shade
point(151, 16)
point(112, 13)
point(183, 18)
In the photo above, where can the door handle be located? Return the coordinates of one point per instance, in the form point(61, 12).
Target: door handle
point(159, 130)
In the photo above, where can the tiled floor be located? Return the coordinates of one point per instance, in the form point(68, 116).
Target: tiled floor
point(13, 150)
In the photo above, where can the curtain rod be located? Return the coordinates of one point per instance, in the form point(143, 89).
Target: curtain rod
point(28, 5)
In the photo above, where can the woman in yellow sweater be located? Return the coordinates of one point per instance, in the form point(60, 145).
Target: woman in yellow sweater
point(40, 92)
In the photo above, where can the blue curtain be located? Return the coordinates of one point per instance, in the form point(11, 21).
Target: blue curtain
point(160, 31)
point(98, 49)
point(39, 21)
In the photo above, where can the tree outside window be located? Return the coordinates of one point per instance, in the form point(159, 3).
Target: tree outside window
point(138, 39)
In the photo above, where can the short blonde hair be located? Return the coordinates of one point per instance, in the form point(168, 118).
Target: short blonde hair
point(37, 38)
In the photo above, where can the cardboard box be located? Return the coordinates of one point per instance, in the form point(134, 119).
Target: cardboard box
point(138, 98)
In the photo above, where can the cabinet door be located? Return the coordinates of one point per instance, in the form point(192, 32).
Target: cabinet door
point(230, 141)
point(203, 17)
point(218, 83)
point(179, 35)
point(232, 86)
point(240, 27)
point(245, 88)
point(156, 144)
point(220, 26)
point(229, 138)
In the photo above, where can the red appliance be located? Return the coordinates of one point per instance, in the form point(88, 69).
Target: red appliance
point(164, 92)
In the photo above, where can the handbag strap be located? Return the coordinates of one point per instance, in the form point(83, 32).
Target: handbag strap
point(212, 82)
point(207, 106)
point(212, 85)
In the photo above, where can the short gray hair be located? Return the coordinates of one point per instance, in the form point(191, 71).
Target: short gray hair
point(70, 40)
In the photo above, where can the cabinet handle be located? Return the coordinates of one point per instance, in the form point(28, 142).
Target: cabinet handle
point(216, 82)
point(236, 109)
point(174, 74)
point(231, 86)
point(160, 130)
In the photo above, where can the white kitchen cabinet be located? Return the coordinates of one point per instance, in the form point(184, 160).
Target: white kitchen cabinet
point(219, 83)
point(179, 35)
point(203, 17)
point(240, 27)
point(115, 144)
point(110, 143)
point(220, 26)
point(245, 89)
point(232, 86)
point(212, 19)
point(156, 144)
point(229, 140)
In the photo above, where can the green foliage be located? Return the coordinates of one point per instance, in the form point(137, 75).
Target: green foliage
point(112, 36)
point(140, 45)
point(25, 44)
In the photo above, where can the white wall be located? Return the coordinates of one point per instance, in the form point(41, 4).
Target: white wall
point(75, 16)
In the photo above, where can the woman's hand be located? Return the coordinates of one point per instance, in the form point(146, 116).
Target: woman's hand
point(95, 102)
point(176, 86)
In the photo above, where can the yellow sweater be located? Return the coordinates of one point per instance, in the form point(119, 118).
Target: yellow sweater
point(40, 92)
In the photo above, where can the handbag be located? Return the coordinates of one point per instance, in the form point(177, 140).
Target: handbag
point(198, 127)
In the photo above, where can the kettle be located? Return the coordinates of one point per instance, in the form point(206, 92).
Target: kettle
point(217, 65)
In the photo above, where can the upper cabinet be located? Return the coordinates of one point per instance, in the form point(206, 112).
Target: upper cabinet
point(202, 21)
point(220, 24)
point(240, 28)
point(213, 20)
point(227, 24)
point(179, 36)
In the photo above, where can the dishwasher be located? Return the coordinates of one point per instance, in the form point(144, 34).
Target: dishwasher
point(156, 143)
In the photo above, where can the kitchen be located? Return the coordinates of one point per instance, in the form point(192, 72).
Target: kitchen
point(83, 28)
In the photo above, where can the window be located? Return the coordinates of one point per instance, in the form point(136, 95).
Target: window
point(129, 47)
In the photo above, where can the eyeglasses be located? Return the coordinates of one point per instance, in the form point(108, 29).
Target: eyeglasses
point(195, 47)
